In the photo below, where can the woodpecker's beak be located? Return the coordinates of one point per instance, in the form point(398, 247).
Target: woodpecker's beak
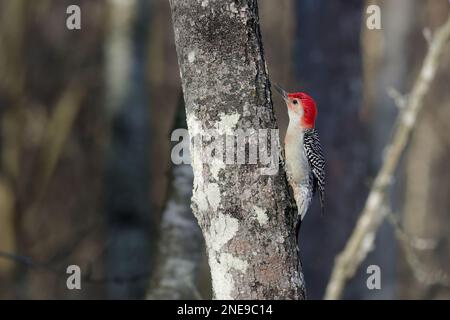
point(281, 92)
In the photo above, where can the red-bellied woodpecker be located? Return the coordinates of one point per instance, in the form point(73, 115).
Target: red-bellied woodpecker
point(305, 163)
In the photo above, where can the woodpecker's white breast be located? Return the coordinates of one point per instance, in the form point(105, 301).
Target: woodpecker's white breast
point(298, 169)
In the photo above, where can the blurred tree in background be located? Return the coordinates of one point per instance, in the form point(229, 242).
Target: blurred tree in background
point(328, 65)
point(52, 143)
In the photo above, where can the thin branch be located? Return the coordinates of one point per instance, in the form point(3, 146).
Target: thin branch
point(399, 99)
point(412, 241)
point(361, 240)
point(427, 35)
point(411, 246)
point(423, 273)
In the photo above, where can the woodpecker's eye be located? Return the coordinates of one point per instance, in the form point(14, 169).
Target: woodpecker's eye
point(295, 101)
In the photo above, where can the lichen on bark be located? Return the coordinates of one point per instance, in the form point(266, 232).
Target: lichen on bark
point(246, 217)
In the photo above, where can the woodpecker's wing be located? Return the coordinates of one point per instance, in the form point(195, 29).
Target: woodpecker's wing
point(316, 161)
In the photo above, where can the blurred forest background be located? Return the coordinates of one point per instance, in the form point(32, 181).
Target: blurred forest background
point(85, 123)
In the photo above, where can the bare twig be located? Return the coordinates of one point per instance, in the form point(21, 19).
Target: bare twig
point(412, 245)
point(425, 274)
point(427, 35)
point(361, 240)
point(58, 130)
point(412, 241)
point(399, 99)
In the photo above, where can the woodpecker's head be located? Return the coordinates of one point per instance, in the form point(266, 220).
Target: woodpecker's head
point(301, 107)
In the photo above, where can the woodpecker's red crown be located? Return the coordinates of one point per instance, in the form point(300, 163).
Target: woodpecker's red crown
point(300, 105)
point(309, 108)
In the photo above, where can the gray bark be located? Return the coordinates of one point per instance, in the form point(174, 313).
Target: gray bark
point(245, 217)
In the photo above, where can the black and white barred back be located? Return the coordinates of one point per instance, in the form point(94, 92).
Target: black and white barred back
point(317, 162)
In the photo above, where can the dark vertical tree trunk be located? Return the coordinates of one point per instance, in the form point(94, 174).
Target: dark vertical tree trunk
point(328, 66)
point(127, 169)
point(245, 216)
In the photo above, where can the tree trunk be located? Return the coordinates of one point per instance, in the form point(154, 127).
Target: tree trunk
point(245, 216)
point(393, 57)
point(127, 164)
point(425, 273)
point(328, 66)
point(179, 261)
point(12, 73)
